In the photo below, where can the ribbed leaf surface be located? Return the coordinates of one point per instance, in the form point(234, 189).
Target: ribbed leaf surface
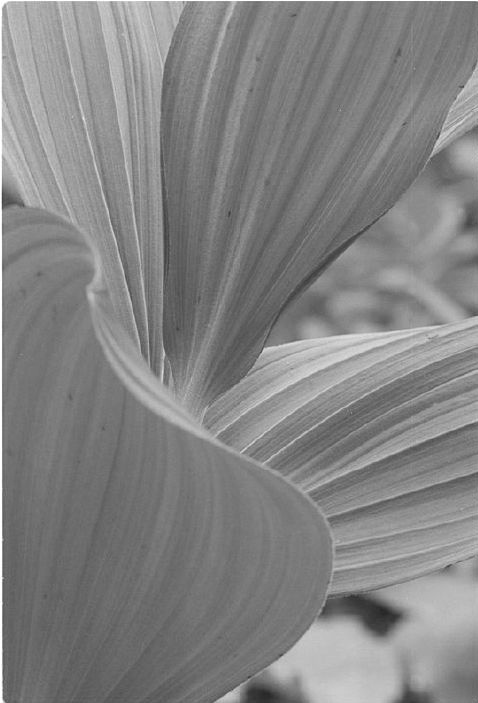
point(82, 92)
point(143, 560)
point(381, 431)
point(463, 114)
point(288, 128)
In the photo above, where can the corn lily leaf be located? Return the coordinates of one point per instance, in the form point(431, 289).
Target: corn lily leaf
point(463, 114)
point(287, 129)
point(144, 561)
point(380, 430)
point(82, 84)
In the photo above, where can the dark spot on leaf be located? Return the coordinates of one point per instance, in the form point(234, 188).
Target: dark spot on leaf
point(199, 298)
point(177, 328)
point(258, 58)
point(404, 124)
point(251, 90)
point(45, 596)
point(461, 86)
point(39, 274)
point(293, 14)
point(103, 427)
point(70, 395)
point(229, 213)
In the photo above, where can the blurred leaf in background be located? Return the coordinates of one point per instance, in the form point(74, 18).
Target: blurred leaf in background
point(416, 266)
point(416, 642)
point(437, 641)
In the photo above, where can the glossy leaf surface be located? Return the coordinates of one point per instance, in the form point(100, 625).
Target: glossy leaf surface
point(287, 129)
point(143, 560)
point(381, 431)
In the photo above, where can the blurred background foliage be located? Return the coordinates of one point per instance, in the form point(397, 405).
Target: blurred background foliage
point(416, 266)
point(416, 642)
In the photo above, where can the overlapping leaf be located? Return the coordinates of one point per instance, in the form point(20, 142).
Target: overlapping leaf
point(381, 431)
point(287, 129)
point(143, 560)
point(146, 561)
point(463, 114)
point(82, 91)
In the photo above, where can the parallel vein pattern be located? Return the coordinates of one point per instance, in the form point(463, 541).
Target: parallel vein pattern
point(381, 431)
point(82, 93)
point(463, 114)
point(143, 560)
point(287, 129)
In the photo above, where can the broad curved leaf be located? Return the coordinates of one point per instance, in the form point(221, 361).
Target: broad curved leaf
point(287, 129)
point(82, 91)
point(463, 114)
point(143, 560)
point(381, 431)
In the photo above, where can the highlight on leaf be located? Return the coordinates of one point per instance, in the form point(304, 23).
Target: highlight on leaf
point(172, 494)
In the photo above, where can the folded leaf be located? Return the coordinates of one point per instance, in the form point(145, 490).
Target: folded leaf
point(288, 128)
point(381, 431)
point(82, 90)
point(143, 560)
point(463, 114)
point(11, 194)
